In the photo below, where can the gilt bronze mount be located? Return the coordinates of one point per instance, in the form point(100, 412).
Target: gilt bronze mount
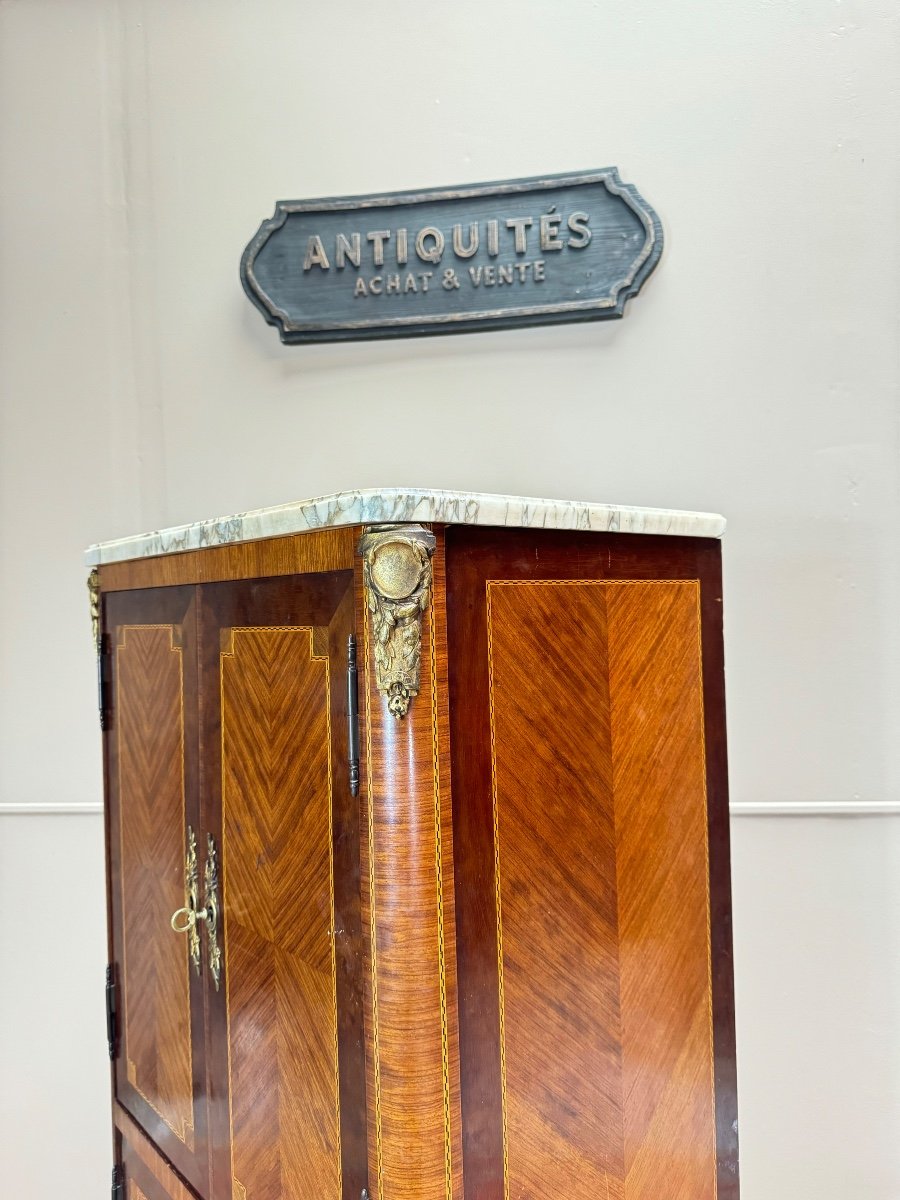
point(397, 580)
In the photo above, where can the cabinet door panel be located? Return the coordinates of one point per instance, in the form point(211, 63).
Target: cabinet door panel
point(275, 691)
point(582, 868)
point(152, 776)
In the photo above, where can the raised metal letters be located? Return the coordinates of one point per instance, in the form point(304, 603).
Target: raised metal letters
point(493, 255)
point(397, 579)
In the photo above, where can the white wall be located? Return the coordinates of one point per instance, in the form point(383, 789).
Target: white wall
point(818, 1006)
point(140, 146)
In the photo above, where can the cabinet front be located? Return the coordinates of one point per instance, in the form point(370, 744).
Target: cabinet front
point(152, 768)
point(286, 1080)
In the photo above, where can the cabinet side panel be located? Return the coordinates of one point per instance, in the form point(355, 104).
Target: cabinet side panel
point(659, 781)
point(555, 880)
point(278, 894)
point(153, 837)
point(598, 636)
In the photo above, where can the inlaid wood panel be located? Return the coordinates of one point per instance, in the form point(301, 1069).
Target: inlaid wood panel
point(408, 907)
point(153, 836)
point(278, 899)
point(601, 877)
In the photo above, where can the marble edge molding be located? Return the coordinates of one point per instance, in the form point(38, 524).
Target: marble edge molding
point(400, 505)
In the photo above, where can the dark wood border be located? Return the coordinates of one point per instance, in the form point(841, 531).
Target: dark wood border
point(709, 562)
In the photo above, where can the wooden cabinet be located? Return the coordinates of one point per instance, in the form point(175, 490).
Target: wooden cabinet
point(444, 812)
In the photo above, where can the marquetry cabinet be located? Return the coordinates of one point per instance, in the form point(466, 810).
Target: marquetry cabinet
point(418, 871)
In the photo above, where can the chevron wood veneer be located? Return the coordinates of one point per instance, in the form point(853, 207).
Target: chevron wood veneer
point(606, 1018)
point(151, 791)
point(280, 971)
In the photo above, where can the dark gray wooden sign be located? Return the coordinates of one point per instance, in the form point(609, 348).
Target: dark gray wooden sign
point(453, 260)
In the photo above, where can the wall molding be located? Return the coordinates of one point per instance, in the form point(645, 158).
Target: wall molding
point(816, 808)
point(53, 810)
point(775, 808)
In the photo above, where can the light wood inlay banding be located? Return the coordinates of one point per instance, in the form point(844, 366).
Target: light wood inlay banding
point(278, 901)
point(153, 842)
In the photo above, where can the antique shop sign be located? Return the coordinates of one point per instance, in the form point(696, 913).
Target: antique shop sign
point(453, 260)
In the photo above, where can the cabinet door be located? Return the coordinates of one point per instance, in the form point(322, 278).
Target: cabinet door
point(588, 772)
point(152, 785)
point(287, 1081)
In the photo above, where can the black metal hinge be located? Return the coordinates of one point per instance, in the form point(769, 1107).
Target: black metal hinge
point(112, 1010)
point(103, 681)
point(352, 717)
point(118, 1183)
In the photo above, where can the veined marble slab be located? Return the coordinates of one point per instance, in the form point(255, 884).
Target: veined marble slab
point(377, 506)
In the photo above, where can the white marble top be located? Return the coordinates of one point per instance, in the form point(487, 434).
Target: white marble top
point(390, 505)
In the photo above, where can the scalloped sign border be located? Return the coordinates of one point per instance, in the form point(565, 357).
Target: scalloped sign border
point(537, 251)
